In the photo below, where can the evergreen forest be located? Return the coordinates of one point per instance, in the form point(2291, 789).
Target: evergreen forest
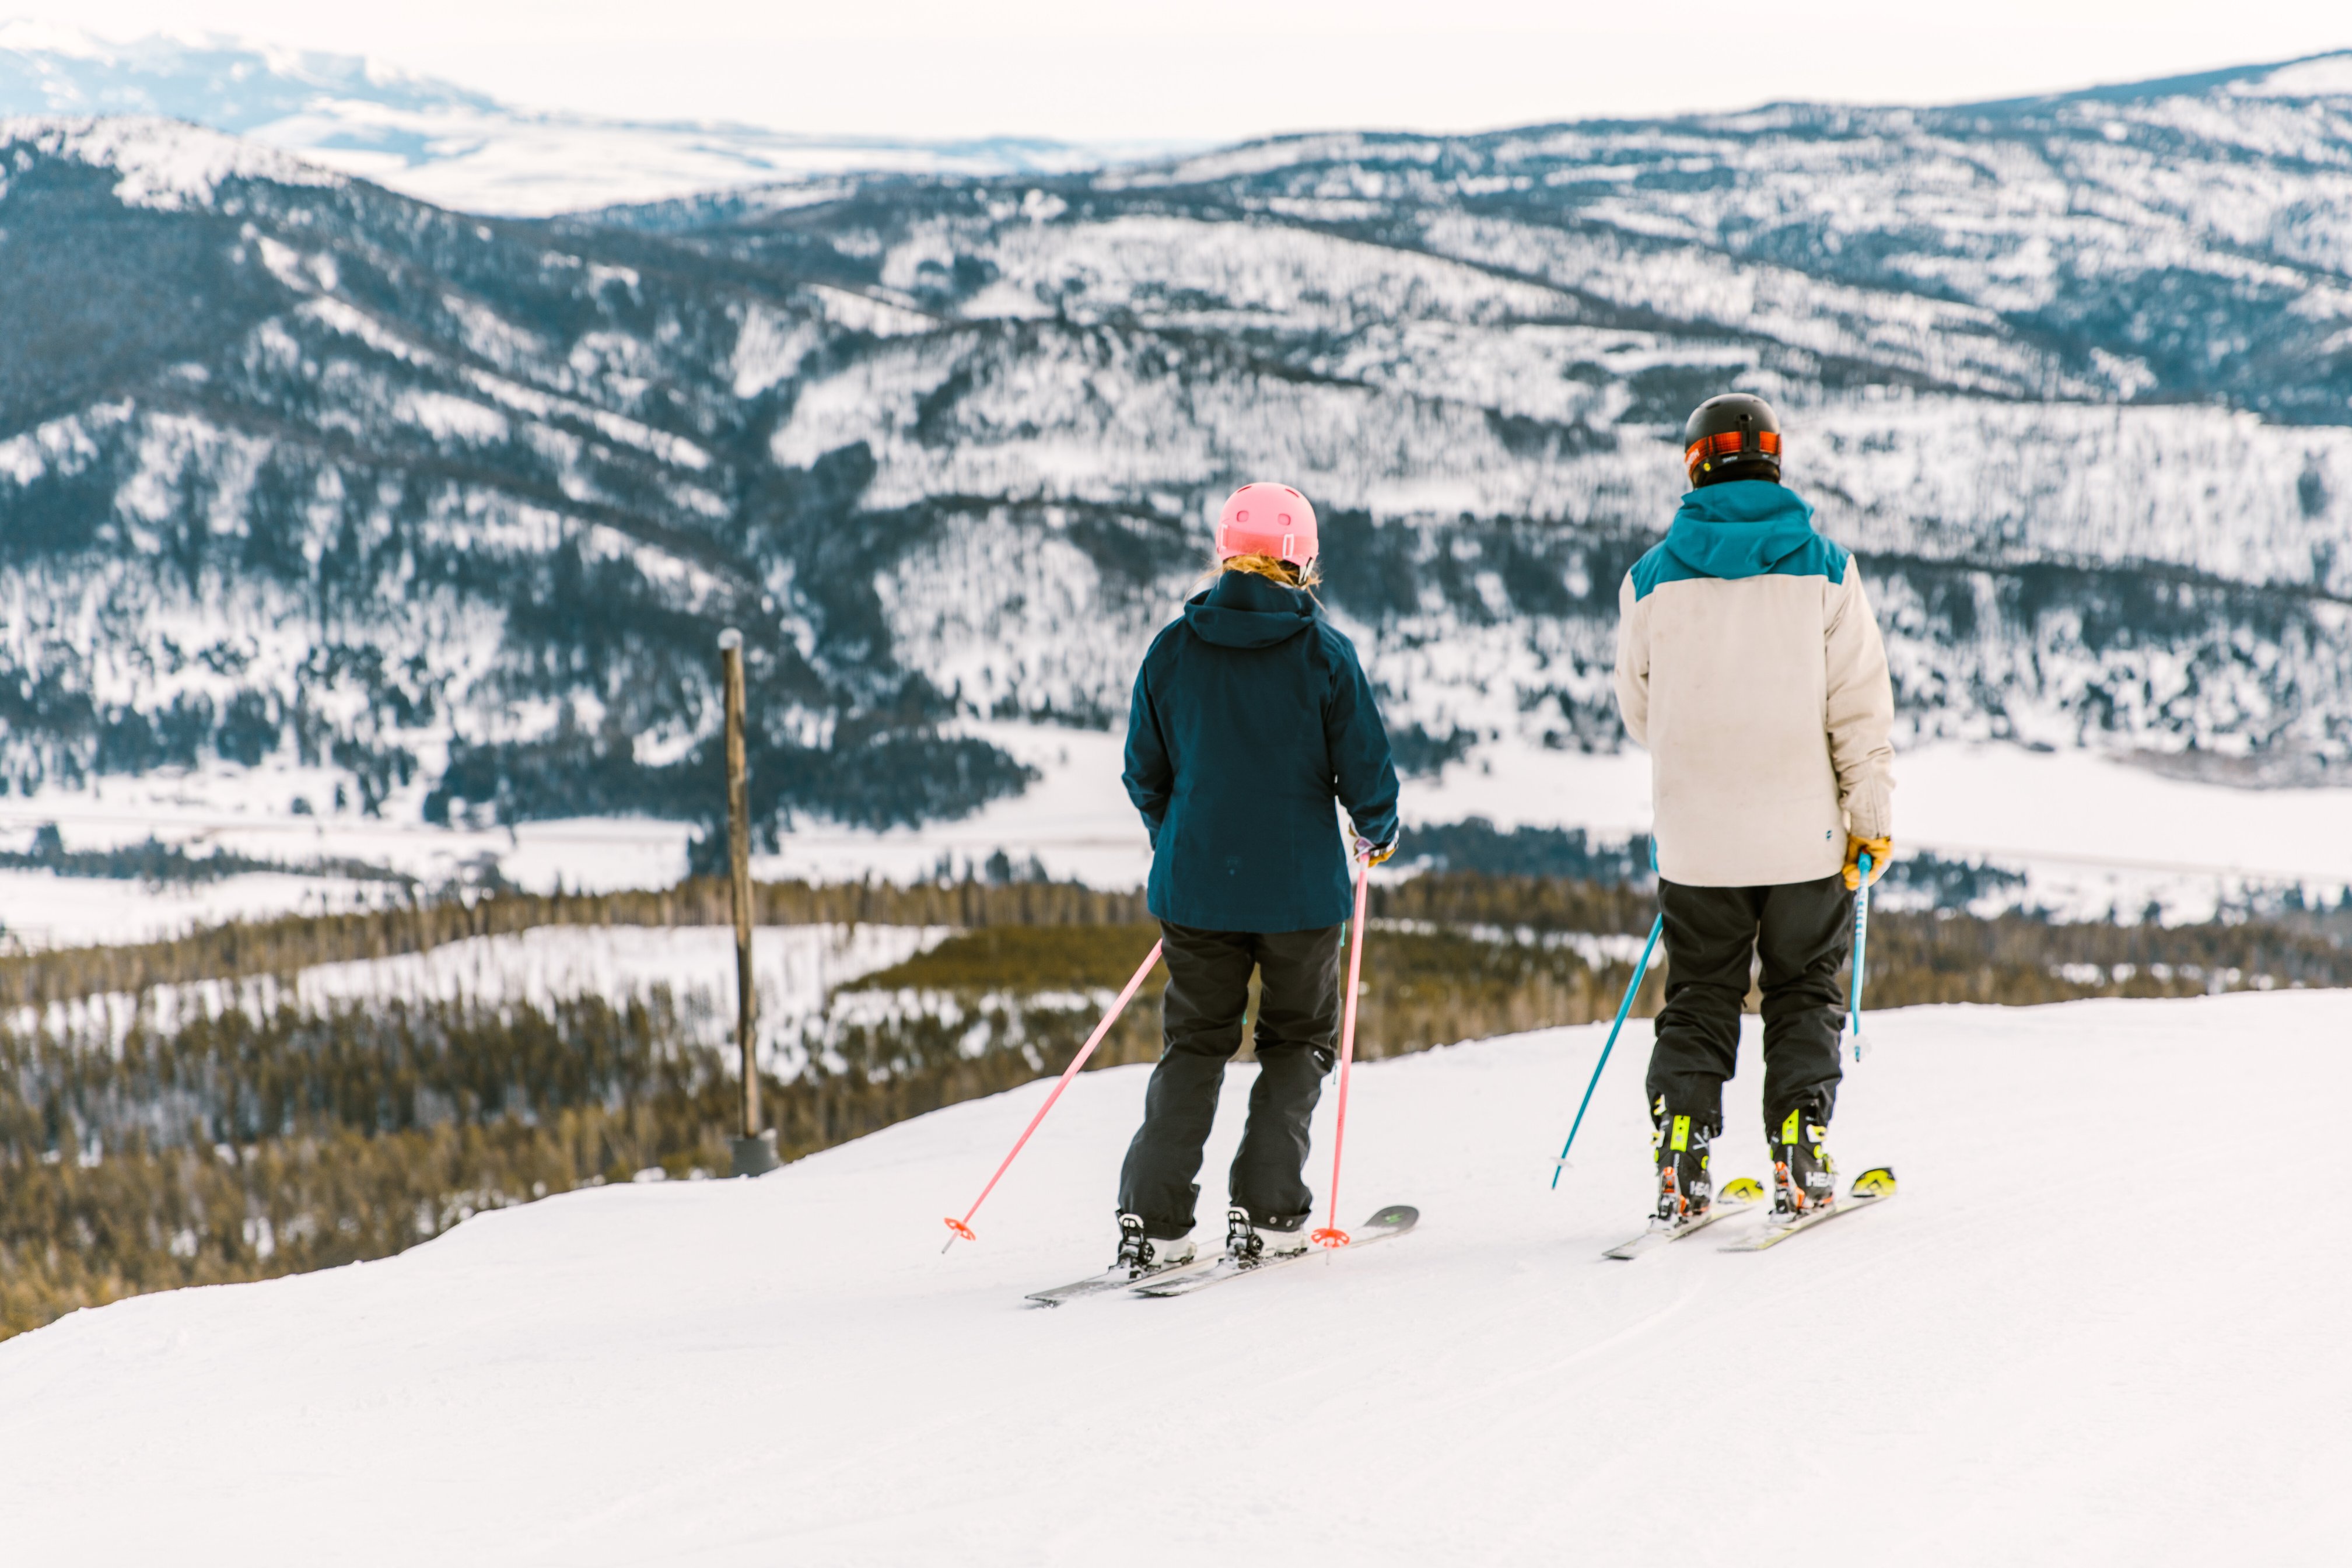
point(229, 1144)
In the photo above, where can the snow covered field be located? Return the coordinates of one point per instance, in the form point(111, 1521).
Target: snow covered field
point(796, 969)
point(1989, 1370)
point(243, 813)
point(2092, 835)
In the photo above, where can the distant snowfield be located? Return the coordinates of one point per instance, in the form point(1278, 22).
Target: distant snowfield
point(499, 159)
point(2018, 1361)
point(247, 813)
point(461, 149)
point(795, 969)
point(2093, 835)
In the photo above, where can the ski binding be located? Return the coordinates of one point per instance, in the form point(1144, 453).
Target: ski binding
point(1392, 1221)
point(1738, 1197)
point(1128, 1271)
point(1873, 1186)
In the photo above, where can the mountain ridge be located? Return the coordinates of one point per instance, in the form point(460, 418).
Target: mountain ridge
point(453, 145)
point(453, 504)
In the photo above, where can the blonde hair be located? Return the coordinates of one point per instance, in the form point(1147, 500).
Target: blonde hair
point(1281, 572)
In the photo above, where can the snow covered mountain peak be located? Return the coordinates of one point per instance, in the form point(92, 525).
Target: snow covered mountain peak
point(211, 79)
point(161, 164)
point(447, 144)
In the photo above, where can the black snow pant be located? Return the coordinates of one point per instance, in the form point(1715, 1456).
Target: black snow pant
point(1201, 1016)
point(1802, 933)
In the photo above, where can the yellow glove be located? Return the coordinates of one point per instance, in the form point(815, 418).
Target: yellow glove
point(1880, 850)
point(1372, 854)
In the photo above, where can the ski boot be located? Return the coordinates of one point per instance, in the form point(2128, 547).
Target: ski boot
point(1140, 1254)
point(1804, 1178)
point(1680, 1143)
point(1251, 1242)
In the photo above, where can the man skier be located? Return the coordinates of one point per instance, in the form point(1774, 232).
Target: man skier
point(1749, 666)
point(1251, 716)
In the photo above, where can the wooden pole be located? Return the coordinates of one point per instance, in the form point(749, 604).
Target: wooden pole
point(754, 1150)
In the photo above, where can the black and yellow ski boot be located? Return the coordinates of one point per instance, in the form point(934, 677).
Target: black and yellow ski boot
point(1679, 1142)
point(1804, 1178)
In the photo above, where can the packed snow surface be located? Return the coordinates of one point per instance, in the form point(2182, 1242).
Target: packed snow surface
point(2040, 1352)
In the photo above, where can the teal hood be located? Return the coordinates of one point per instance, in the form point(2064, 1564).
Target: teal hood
point(1742, 528)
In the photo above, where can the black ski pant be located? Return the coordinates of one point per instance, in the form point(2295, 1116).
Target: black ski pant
point(1802, 933)
point(1201, 1016)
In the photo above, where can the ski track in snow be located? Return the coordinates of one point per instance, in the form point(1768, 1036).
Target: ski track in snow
point(1989, 1370)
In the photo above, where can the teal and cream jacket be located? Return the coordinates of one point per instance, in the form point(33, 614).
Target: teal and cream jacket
point(1750, 668)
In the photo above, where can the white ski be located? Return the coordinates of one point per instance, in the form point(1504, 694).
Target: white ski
point(1118, 1277)
point(1738, 1197)
point(1392, 1221)
point(1871, 1188)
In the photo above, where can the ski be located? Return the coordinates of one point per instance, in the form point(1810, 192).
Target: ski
point(1118, 1277)
point(1392, 1221)
point(1738, 1197)
point(1873, 1186)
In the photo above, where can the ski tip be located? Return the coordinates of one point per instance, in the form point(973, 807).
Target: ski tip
point(1396, 1217)
point(1741, 1190)
point(1878, 1181)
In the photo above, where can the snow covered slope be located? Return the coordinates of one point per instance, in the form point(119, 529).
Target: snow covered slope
point(449, 145)
point(1989, 1370)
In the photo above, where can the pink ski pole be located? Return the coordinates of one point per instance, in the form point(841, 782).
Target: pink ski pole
point(961, 1229)
point(1331, 1234)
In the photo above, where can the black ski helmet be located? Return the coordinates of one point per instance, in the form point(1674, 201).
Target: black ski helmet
point(1733, 436)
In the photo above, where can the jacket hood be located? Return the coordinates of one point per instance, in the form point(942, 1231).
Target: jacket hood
point(1741, 528)
point(1242, 609)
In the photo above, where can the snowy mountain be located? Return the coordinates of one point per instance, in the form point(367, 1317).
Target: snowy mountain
point(449, 145)
point(299, 474)
point(787, 1370)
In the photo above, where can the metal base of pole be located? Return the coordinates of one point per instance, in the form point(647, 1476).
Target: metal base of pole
point(753, 1156)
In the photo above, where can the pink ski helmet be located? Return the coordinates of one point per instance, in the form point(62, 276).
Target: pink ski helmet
point(1264, 519)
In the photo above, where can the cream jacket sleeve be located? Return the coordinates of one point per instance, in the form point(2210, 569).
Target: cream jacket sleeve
point(1860, 710)
point(1634, 662)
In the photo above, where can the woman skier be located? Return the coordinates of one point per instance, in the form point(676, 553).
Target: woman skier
point(1251, 716)
point(1748, 665)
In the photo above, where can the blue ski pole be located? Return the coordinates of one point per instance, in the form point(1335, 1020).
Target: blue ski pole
point(1624, 1008)
point(1860, 944)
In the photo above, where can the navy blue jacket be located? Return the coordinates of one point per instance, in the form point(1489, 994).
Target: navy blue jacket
point(1251, 716)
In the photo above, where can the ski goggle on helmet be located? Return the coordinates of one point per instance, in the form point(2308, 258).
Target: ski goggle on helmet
point(1263, 519)
point(1733, 436)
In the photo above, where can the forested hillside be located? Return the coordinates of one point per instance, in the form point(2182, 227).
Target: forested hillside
point(262, 1100)
point(296, 472)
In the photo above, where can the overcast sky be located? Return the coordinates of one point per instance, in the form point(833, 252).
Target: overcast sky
point(1216, 69)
